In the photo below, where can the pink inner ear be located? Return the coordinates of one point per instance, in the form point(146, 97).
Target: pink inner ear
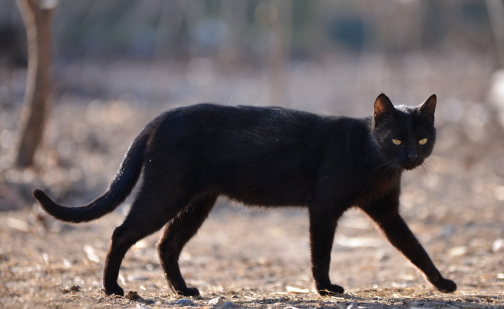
point(382, 105)
point(380, 108)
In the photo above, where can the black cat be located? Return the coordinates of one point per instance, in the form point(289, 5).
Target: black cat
point(264, 156)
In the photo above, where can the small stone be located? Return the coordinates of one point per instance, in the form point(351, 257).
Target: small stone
point(132, 295)
point(457, 251)
point(184, 302)
point(73, 288)
point(137, 278)
point(352, 306)
point(498, 245)
point(148, 301)
point(228, 304)
point(216, 301)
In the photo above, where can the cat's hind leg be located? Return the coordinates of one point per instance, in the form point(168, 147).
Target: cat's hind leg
point(175, 235)
point(146, 216)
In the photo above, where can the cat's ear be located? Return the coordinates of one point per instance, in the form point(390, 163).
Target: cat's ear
point(429, 107)
point(383, 107)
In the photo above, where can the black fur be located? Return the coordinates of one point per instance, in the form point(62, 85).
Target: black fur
point(264, 156)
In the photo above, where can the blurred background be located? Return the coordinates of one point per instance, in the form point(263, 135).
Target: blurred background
point(116, 64)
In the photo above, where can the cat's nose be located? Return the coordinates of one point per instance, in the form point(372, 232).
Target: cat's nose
point(412, 155)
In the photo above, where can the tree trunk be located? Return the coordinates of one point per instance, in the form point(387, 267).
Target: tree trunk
point(37, 18)
point(279, 53)
point(496, 13)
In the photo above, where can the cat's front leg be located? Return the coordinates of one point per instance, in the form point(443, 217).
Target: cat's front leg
point(322, 228)
point(401, 237)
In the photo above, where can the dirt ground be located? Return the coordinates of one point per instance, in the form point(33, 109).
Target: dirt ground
point(253, 258)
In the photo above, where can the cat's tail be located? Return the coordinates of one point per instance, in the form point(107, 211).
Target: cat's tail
point(119, 189)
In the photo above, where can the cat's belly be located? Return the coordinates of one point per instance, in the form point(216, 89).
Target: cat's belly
point(280, 194)
point(270, 182)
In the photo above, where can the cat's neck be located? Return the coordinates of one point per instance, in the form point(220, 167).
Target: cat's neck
point(376, 163)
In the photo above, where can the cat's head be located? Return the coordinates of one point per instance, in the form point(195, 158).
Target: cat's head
point(404, 134)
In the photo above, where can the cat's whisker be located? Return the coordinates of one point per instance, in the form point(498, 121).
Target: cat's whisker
point(424, 169)
point(377, 168)
point(374, 170)
point(428, 166)
point(429, 172)
point(390, 169)
point(387, 171)
point(397, 171)
point(431, 161)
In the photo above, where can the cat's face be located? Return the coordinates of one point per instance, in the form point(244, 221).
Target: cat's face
point(405, 135)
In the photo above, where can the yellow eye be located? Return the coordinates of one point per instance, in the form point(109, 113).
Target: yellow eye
point(396, 142)
point(422, 141)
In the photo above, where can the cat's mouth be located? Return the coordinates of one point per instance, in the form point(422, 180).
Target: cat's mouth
point(411, 165)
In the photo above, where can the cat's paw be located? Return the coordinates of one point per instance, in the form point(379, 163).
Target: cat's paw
point(445, 285)
point(330, 290)
point(189, 292)
point(113, 290)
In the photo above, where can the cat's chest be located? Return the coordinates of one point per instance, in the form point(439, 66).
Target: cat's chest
point(376, 188)
point(383, 184)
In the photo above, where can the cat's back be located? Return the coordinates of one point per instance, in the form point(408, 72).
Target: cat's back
point(214, 119)
point(259, 124)
point(243, 114)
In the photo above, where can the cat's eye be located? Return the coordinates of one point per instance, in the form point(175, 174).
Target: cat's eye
point(422, 141)
point(396, 141)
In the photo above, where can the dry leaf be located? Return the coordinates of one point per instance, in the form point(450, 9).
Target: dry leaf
point(295, 290)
